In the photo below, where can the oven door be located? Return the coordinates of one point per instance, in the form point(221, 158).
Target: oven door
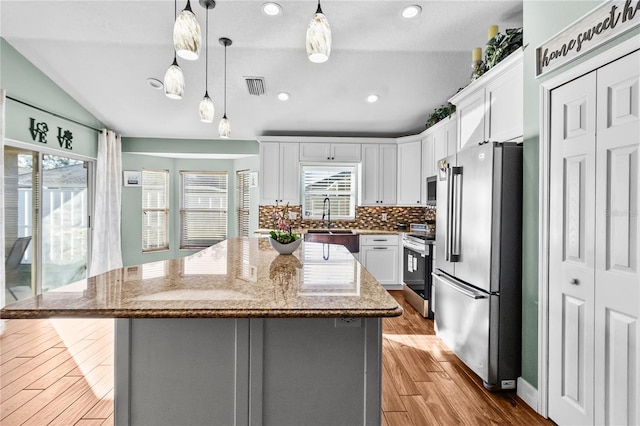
point(415, 271)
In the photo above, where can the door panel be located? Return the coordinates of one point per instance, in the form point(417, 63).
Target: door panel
point(477, 216)
point(617, 294)
point(573, 350)
point(571, 255)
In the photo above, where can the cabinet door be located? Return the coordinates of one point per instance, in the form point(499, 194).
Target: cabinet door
point(387, 174)
point(289, 173)
point(428, 165)
point(381, 262)
point(505, 105)
point(370, 175)
point(439, 146)
point(451, 135)
point(315, 152)
point(269, 173)
point(409, 173)
point(345, 152)
point(471, 115)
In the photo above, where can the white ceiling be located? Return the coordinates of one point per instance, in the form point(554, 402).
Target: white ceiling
point(102, 52)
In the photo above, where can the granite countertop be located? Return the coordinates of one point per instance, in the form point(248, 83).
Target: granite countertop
point(237, 278)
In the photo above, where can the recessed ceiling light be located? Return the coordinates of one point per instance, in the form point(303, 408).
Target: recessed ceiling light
point(372, 98)
point(283, 96)
point(272, 9)
point(411, 11)
point(155, 83)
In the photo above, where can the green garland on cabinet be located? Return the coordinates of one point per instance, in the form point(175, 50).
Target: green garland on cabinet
point(440, 114)
point(501, 46)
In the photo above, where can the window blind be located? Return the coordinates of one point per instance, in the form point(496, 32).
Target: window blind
point(336, 182)
point(204, 209)
point(155, 210)
point(244, 202)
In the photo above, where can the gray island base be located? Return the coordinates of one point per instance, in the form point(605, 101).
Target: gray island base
point(237, 335)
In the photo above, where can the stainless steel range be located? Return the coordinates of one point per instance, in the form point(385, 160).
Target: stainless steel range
point(418, 253)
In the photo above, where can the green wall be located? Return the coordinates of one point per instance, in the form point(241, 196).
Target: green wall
point(23, 81)
point(135, 157)
point(541, 21)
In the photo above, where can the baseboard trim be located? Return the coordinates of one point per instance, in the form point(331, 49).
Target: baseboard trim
point(392, 286)
point(528, 393)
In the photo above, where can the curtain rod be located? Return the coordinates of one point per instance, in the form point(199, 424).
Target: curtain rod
point(54, 114)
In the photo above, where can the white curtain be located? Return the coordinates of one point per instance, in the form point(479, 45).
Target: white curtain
point(106, 253)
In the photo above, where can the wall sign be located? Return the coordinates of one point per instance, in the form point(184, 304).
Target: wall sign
point(605, 22)
point(39, 134)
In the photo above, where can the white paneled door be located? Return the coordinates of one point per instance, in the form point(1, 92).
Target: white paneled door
point(594, 296)
point(571, 261)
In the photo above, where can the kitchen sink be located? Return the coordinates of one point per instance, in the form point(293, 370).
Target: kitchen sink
point(345, 237)
point(331, 231)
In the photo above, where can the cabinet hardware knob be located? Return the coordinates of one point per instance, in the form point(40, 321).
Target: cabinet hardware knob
point(328, 158)
point(574, 281)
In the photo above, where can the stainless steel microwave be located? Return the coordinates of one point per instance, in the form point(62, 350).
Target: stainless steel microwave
point(431, 190)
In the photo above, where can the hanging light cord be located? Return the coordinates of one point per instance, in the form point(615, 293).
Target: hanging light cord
point(225, 79)
point(206, 57)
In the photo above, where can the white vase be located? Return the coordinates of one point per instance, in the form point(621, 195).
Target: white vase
point(285, 248)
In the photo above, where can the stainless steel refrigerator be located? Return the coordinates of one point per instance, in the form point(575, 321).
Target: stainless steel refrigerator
point(478, 277)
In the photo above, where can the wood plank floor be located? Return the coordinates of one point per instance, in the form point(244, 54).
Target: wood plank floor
point(60, 372)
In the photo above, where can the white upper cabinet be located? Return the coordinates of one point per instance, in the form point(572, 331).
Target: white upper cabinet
point(379, 174)
point(349, 152)
point(490, 108)
point(439, 141)
point(279, 173)
point(409, 173)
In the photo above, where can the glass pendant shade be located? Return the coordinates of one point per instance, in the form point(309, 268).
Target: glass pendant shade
point(207, 110)
point(186, 34)
point(319, 38)
point(174, 81)
point(224, 128)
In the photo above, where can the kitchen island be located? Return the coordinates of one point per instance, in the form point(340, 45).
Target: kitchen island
point(237, 334)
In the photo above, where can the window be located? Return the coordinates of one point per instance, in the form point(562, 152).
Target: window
point(155, 210)
point(338, 182)
point(244, 201)
point(204, 209)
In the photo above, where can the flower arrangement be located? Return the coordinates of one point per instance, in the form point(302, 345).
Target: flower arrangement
point(283, 234)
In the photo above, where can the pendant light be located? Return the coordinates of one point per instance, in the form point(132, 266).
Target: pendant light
point(224, 128)
point(206, 104)
point(174, 78)
point(318, 37)
point(186, 34)
point(174, 81)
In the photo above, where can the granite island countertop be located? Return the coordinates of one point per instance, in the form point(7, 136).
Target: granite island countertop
point(237, 278)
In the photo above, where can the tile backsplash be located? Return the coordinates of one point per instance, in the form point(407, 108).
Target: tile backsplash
point(367, 217)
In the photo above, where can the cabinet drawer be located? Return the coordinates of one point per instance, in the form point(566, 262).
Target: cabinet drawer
point(379, 240)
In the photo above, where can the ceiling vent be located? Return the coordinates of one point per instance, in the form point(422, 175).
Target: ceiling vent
point(255, 85)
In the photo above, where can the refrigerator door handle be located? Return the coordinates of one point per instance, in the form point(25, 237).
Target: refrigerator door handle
point(449, 232)
point(456, 207)
point(460, 288)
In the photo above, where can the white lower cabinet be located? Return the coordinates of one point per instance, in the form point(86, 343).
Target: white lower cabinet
point(379, 254)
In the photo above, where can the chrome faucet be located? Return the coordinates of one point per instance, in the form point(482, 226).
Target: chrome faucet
point(327, 203)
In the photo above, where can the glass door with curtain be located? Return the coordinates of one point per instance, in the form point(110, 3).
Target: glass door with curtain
point(65, 220)
point(20, 228)
point(47, 205)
